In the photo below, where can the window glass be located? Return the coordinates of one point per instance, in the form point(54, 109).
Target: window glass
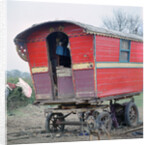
point(124, 50)
point(124, 56)
point(125, 44)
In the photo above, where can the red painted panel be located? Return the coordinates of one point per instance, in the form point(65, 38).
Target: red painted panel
point(37, 54)
point(115, 81)
point(72, 29)
point(107, 49)
point(82, 49)
point(136, 54)
point(44, 31)
point(39, 33)
point(38, 51)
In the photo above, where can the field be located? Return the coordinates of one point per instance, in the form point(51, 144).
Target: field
point(138, 100)
point(27, 125)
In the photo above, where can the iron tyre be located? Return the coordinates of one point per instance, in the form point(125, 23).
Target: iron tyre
point(104, 121)
point(51, 123)
point(131, 114)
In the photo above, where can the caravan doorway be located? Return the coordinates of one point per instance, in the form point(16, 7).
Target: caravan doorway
point(60, 65)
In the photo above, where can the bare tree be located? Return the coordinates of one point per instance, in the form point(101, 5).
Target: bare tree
point(124, 22)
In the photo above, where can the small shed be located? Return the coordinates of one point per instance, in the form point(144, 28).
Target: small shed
point(71, 61)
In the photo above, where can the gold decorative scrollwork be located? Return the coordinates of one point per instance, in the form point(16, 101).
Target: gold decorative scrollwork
point(51, 29)
point(61, 28)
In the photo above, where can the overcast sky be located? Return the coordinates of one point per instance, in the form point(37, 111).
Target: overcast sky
point(21, 15)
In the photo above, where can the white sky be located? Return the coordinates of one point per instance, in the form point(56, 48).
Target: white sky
point(21, 15)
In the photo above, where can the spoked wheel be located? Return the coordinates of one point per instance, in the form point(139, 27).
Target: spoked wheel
point(91, 123)
point(104, 122)
point(95, 114)
point(52, 122)
point(131, 114)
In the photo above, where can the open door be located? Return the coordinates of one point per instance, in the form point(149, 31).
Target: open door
point(60, 65)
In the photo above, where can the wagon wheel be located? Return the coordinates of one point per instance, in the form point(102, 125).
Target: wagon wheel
point(95, 114)
point(91, 123)
point(131, 114)
point(104, 122)
point(82, 116)
point(51, 122)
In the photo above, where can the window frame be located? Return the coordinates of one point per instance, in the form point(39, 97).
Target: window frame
point(125, 50)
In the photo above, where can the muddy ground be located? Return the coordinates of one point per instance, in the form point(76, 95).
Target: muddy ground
point(27, 125)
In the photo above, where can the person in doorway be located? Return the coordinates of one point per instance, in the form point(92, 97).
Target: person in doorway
point(59, 51)
point(62, 51)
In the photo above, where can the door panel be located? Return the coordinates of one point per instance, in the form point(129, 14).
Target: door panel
point(65, 83)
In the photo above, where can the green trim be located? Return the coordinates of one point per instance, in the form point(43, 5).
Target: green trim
point(117, 67)
point(120, 50)
point(125, 50)
point(117, 62)
point(129, 49)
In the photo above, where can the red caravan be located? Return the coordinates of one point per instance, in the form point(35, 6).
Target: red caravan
point(100, 64)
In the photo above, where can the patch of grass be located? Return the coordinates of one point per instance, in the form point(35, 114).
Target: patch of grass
point(138, 100)
point(16, 97)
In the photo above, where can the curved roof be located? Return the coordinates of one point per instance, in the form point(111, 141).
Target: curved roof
point(89, 29)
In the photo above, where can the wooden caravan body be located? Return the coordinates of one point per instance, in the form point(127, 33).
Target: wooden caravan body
point(102, 64)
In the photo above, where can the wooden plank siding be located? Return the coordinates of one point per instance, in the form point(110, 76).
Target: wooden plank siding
point(37, 54)
point(117, 80)
point(82, 52)
point(72, 30)
point(43, 85)
point(82, 49)
point(84, 83)
point(38, 58)
point(107, 49)
point(136, 54)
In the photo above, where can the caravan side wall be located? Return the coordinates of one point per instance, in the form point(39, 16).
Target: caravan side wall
point(114, 76)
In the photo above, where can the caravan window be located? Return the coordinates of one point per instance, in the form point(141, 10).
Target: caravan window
point(124, 51)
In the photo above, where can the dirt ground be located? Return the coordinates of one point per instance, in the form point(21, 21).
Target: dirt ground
point(27, 125)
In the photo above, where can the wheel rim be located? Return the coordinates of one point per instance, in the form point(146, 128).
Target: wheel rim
point(104, 121)
point(91, 123)
point(133, 115)
point(53, 123)
point(95, 114)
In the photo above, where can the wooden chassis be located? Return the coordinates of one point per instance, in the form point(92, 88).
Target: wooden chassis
point(85, 101)
point(86, 108)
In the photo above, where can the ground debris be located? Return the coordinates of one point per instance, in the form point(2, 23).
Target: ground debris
point(26, 128)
